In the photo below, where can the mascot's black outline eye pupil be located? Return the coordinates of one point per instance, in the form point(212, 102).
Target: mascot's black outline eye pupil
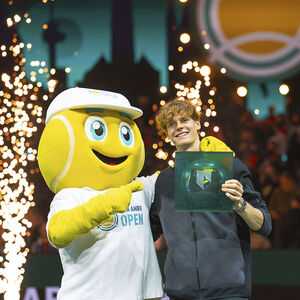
point(99, 131)
point(126, 135)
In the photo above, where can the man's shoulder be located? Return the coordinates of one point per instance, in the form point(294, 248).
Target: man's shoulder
point(239, 167)
point(166, 172)
point(238, 163)
point(166, 178)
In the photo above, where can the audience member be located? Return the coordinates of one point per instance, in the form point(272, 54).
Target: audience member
point(267, 181)
point(291, 224)
point(41, 243)
point(280, 203)
point(35, 217)
point(293, 145)
point(259, 242)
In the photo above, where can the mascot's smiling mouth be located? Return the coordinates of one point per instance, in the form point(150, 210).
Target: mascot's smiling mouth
point(112, 161)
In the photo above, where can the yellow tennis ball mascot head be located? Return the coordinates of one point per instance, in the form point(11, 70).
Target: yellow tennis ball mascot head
point(90, 140)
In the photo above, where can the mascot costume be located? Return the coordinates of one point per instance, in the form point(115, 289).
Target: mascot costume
point(89, 153)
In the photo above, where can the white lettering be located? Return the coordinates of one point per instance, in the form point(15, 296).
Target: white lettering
point(51, 292)
point(31, 293)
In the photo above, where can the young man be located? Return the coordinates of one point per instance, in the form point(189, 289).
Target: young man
point(208, 253)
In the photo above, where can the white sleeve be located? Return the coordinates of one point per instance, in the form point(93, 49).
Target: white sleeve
point(63, 200)
point(148, 188)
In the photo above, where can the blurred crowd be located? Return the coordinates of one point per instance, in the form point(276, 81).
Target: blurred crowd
point(271, 150)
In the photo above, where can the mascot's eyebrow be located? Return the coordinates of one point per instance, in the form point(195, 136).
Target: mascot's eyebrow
point(89, 110)
point(125, 115)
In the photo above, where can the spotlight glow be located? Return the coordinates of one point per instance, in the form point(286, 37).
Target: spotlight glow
point(20, 115)
point(188, 91)
point(163, 89)
point(284, 89)
point(241, 91)
point(185, 38)
point(205, 71)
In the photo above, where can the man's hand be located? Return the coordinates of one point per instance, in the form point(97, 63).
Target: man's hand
point(233, 189)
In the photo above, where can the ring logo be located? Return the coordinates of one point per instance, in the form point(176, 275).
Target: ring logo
point(109, 224)
point(253, 39)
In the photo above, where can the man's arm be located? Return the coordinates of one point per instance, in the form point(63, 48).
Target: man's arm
point(155, 223)
point(251, 215)
point(160, 244)
point(154, 216)
point(255, 212)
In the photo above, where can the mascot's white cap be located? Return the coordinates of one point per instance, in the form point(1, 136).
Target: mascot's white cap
point(90, 98)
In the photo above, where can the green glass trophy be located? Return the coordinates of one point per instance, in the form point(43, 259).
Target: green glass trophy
point(198, 180)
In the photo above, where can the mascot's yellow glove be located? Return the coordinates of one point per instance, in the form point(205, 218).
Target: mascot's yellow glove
point(66, 225)
point(212, 144)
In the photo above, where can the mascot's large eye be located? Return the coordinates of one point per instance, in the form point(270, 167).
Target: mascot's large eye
point(126, 134)
point(95, 128)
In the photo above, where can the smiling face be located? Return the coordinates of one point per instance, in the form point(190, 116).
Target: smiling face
point(183, 132)
point(90, 148)
point(180, 120)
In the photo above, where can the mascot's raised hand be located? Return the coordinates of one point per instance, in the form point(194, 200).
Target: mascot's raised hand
point(89, 155)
